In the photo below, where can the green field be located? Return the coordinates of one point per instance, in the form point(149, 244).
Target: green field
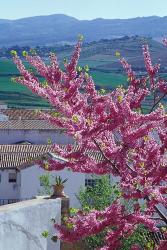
point(13, 94)
point(100, 56)
point(16, 95)
point(108, 80)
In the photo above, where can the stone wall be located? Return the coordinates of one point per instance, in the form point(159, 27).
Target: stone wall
point(22, 223)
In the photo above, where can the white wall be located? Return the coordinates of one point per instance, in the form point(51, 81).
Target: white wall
point(21, 224)
point(30, 185)
point(34, 136)
point(7, 190)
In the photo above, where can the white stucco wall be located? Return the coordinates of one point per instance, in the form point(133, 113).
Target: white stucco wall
point(30, 184)
point(21, 224)
point(34, 136)
point(9, 190)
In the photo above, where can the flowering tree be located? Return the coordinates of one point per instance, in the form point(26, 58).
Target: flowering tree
point(132, 143)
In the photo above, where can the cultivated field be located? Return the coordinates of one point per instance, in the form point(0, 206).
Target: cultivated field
point(16, 95)
point(105, 67)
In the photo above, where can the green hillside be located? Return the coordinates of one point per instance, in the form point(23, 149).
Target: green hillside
point(16, 95)
point(105, 67)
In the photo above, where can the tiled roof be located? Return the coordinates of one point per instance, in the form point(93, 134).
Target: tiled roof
point(14, 156)
point(25, 119)
point(23, 114)
point(18, 156)
point(27, 125)
point(28, 148)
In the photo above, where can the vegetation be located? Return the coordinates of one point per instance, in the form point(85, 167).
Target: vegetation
point(45, 182)
point(59, 181)
point(140, 238)
point(101, 195)
point(16, 95)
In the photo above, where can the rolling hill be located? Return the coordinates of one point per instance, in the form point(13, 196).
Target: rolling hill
point(99, 55)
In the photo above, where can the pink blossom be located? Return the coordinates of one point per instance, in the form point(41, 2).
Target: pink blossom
point(113, 136)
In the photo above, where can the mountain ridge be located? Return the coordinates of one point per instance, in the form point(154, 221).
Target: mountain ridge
point(58, 28)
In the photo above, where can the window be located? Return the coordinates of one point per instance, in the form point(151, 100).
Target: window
point(12, 177)
point(90, 182)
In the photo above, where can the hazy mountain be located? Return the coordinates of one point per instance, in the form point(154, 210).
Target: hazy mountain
point(48, 30)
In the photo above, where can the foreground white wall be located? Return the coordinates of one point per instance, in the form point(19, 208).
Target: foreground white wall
point(21, 224)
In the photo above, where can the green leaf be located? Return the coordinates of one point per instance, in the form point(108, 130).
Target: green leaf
point(49, 141)
point(86, 68)
point(73, 210)
point(69, 225)
point(45, 234)
point(102, 91)
point(25, 53)
point(13, 52)
point(79, 69)
point(80, 37)
point(65, 60)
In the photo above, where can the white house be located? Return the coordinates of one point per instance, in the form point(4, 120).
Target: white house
point(17, 125)
point(23, 136)
point(19, 177)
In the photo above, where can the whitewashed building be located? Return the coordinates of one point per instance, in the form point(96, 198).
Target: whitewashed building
point(17, 125)
point(23, 135)
point(19, 177)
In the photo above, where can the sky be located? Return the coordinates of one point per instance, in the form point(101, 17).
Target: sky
point(82, 9)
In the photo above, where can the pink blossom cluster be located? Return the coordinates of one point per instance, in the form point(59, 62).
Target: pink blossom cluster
point(119, 225)
point(131, 144)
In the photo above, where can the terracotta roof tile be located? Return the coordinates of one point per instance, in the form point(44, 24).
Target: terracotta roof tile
point(25, 119)
point(23, 114)
point(13, 156)
point(27, 125)
point(19, 156)
point(26, 148)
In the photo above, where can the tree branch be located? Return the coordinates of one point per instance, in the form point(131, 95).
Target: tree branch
point(115, 168)
point(155, 104)
point(160, 213)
